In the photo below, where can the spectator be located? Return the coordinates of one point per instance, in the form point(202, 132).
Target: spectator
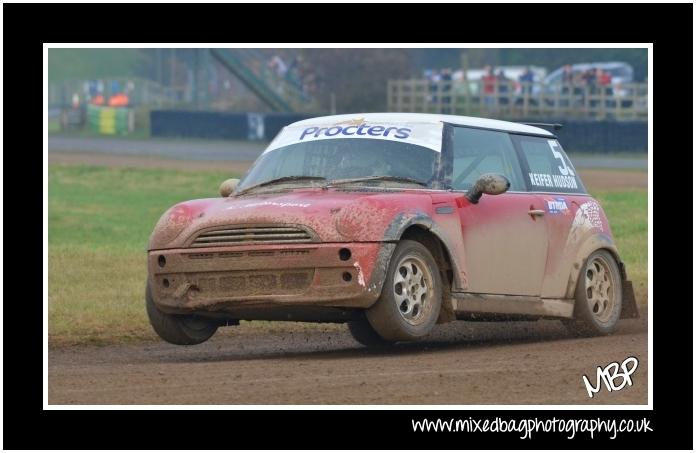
point(568, 82)
point(503, 87)
point(446, 78)
point(434, 85)
point(98, 99)
point(526, 80)
point(278, 65)
point(589, 77)
point(603, 78)
point(489, 85)
point(119, 100)
point(278, 71)
point(604, 87)
point(567, 76)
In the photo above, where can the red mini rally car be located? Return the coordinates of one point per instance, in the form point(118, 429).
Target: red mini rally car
point(392, 223)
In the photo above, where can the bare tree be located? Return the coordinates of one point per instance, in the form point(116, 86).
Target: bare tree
point(357, 77)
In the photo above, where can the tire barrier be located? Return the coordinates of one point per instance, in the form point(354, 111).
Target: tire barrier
point(110, 120)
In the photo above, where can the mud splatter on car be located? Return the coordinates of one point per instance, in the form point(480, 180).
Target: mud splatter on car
point(392, 223)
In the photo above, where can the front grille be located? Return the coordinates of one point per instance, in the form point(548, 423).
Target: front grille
point(240, 235)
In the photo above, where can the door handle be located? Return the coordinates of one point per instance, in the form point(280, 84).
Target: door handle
point(536, 212)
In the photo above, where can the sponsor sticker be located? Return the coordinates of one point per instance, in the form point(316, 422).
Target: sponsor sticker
point(428, 135)
point(557, 205)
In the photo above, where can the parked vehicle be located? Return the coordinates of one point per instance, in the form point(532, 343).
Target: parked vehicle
point(391, 223)
point(620, 72)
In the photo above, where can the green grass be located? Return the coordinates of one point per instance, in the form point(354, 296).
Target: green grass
point(99, 222)
point(116, 208)
point(100, 219)
point(53, 125)
point(627, 212)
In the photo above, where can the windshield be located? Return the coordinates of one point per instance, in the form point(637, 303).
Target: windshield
point(342, 159)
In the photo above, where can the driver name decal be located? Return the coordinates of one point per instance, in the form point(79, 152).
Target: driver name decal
point(363, 129)
point(553, 181)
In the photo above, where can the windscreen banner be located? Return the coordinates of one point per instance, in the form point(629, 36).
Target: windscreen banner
point(428, 135)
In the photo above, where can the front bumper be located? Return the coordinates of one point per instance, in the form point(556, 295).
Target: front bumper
point(227, 278)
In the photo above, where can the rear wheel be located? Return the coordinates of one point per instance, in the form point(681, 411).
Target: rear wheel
point(598, 297)
point(178, 329)
point(409, 305)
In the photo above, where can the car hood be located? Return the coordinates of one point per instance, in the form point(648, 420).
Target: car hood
point(333, 215)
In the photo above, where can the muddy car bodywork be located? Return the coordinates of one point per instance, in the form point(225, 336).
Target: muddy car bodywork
point(320, 252)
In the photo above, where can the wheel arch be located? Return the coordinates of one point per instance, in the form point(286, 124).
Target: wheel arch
point(588, 247)
point(425, 235)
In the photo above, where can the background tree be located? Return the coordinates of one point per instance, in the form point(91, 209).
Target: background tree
point(358, 77)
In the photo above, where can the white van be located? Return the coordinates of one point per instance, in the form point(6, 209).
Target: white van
point(620, 72)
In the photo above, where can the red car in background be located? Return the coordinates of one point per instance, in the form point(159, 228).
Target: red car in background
point(391, 223)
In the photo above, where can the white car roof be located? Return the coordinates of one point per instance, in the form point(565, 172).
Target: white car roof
point(424, 118)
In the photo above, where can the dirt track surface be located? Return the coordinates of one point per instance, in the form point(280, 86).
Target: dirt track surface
point(462, 363)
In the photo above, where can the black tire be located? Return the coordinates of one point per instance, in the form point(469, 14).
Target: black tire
point(394, 316)
point(363, 333)
point(597, 312)
point(178, 329)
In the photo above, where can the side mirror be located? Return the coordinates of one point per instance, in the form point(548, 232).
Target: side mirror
point(489, 183)
point(228, 186)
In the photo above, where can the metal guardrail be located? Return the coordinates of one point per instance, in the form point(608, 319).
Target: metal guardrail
point(514, 100)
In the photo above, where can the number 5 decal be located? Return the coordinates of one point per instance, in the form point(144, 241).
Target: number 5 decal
point(564, 169)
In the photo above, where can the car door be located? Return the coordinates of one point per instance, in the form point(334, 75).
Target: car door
point(505, 236)
point(552, 178)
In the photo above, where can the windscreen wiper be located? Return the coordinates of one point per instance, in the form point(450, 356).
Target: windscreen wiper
point(281, 179)
point(375, 178)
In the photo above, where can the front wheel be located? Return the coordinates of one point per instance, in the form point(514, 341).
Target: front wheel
point(363, 333)
point(178, 329)
point(409, 305)
point(598, 297)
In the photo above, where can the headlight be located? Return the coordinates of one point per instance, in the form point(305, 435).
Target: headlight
point(170, 225)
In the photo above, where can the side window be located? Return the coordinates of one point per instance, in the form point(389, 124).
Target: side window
point(550, 170)
point(478, 151)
